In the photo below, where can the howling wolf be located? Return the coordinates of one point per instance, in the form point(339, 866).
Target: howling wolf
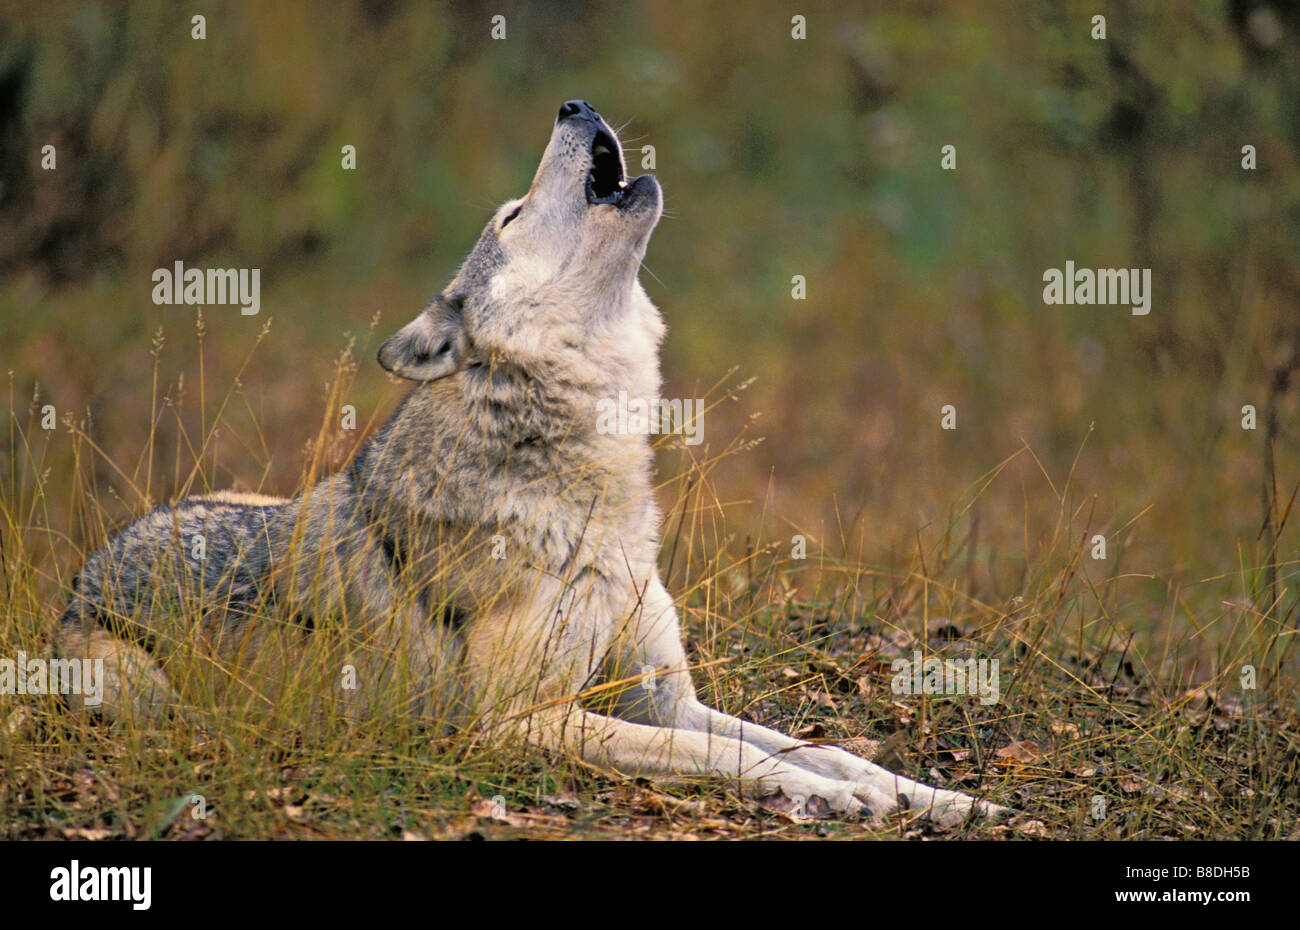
point(488, 558)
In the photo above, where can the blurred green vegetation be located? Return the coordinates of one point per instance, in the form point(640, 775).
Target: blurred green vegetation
point(778, 158)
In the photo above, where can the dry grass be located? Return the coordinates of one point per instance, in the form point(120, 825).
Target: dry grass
point(1102, 695)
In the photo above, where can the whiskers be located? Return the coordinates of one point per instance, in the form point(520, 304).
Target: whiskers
point(646, 269)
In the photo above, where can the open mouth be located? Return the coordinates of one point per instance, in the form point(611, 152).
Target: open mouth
point(605, 181)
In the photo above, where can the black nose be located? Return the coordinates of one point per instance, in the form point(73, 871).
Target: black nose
point(577, 109)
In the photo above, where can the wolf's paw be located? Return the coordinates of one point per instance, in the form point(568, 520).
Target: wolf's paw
point(995, 813)
point(951, 809)
point(877, 801)
point(813, 797)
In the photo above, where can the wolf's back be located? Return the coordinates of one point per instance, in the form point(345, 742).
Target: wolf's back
point(207, 552)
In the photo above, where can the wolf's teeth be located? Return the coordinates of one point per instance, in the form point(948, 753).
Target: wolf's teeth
point(601, 150)
point(622, 184)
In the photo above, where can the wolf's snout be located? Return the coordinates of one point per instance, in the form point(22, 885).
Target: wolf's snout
point(604, 178)
point(577, 109)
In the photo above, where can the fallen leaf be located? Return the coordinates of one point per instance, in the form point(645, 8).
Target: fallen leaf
point(86, 833)
point(1025, 751)
point(1033, 828)
point(489, 809)
point(795, 810)
point(566, 801)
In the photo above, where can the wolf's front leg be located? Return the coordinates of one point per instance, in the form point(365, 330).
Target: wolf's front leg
point(876, 786)
point(639, 749)
point(528, 668)
point(672, 703)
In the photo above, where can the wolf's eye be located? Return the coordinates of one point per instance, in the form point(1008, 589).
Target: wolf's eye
point(513, 213)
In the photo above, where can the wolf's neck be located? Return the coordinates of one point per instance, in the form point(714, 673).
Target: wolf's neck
point(595, 345)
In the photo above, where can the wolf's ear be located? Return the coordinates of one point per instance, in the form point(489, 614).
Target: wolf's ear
point(431, 346)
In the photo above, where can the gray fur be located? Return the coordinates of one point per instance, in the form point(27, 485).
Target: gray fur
point(488, 553)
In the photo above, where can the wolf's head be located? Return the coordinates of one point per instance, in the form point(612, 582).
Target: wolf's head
point(554, 273)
